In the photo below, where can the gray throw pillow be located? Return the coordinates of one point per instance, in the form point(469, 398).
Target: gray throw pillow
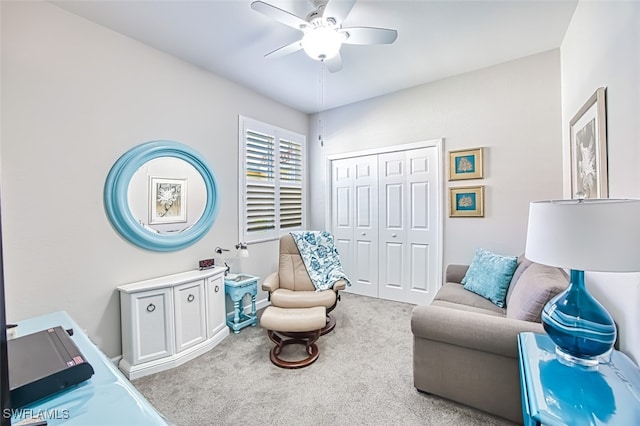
point(537, 285)
point(523, 264)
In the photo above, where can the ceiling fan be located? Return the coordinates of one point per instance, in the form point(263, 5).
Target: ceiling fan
point(323, 34)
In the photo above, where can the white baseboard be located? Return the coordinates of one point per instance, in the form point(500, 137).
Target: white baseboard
point(259, 305)
point(115, 360)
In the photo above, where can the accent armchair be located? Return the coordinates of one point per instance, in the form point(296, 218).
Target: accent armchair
point(291, 286)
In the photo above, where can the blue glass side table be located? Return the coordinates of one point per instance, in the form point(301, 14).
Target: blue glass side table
point(238, 287)
point(554, 393)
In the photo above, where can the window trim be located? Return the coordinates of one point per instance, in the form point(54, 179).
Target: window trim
point(248, 124)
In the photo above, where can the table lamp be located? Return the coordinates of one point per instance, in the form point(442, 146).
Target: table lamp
point(583, 235)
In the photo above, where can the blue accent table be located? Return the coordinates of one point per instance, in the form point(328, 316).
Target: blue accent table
point(237, 288)
point(107, 398)
point(554, 393)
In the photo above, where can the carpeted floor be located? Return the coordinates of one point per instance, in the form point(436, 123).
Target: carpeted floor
point(362, 377)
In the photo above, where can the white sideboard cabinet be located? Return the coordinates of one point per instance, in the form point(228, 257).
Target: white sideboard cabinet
point(167, 321)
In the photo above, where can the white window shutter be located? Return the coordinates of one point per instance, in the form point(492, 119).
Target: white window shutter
point(260, 158)
point(272, 177)
point(290, 184)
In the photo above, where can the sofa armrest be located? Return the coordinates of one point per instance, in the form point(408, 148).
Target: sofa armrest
point(487, 333)
point(455, 273)
point(271, 283)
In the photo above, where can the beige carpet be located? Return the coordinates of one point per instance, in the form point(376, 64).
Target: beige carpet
point(362, 377)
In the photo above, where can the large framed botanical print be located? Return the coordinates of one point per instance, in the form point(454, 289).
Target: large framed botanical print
point(588, 150)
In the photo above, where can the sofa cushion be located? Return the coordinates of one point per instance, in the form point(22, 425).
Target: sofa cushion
point(489, 275)
point(536, 286)
point(467, 308)
point(455, 294)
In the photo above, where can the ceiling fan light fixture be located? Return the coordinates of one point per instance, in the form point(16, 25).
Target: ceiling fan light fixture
point(322, 43)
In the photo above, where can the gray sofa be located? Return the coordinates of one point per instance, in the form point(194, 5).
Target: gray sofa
point(465, 347)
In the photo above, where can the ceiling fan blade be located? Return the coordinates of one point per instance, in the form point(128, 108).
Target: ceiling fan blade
point(334, 64)
point(370, 35)
point(338, 9)
point(285, 50)
point(279, 15)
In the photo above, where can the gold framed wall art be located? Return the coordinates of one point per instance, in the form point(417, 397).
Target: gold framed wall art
point(465, 164)
point(466, 201)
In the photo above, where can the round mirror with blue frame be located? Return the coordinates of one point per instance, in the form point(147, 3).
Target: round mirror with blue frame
point(166, 197)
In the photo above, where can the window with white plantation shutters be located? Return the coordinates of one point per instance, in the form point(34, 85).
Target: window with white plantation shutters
point(272, 170)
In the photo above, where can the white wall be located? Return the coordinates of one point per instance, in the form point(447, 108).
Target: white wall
point(75, 97)
point(512, 109)
point(602, 48)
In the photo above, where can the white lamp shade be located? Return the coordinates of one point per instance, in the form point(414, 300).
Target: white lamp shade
point(243, 249)
point(322, 43)
point(588, 235)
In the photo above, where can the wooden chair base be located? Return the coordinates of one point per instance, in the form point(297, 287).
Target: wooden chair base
point(305, 338)
point(331, 324)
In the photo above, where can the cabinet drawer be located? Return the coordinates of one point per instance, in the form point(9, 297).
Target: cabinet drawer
point(152, 326)
point(191, 327)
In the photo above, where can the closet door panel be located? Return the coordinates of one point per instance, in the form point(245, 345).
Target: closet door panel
point(419, 269)
point(422, 232)
point(365, 231)
point(392, 190)
point(355, 220)
point(408, 207)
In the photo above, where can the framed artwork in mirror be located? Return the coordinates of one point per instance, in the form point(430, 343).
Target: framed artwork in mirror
point(465, 164)
point(466, 201)
point(588, 150)
point(167, 200)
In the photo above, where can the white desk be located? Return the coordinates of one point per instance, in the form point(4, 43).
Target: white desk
point(107, 398)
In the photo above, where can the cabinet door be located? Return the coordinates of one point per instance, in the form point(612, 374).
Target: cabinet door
point(216, 315)
point(190, 318)
point(152, 325)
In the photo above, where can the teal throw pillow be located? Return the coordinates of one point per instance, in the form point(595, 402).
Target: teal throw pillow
point(489, 275)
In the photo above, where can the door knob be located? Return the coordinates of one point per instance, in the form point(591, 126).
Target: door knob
point(364, 233)
point(393, 235)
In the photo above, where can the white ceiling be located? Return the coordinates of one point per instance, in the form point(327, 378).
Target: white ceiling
point(436, 39)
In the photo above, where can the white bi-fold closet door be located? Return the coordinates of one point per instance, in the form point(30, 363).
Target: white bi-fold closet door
point(386, 219)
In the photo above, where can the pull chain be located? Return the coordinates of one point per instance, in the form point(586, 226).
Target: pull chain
point(321, 89)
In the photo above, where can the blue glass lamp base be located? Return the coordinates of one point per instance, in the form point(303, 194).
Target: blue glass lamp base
point(578, 324)
point(590, 363)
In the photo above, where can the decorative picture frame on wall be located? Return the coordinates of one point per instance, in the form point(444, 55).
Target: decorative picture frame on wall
point(588, 149)
point(465, 164)
point(167, 200)
point(466, 201)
